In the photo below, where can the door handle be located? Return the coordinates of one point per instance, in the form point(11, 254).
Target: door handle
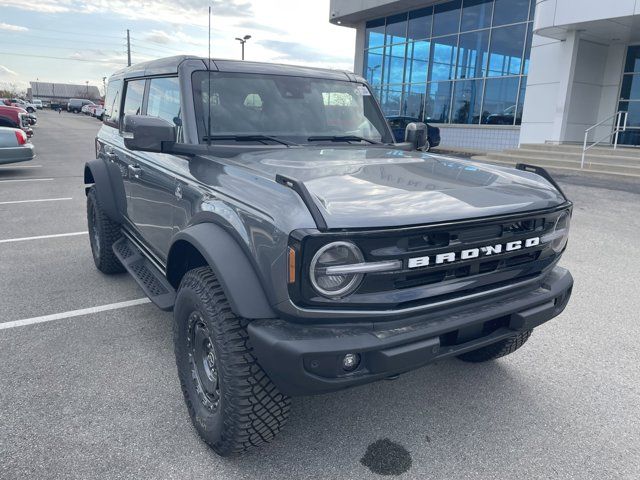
point(135, 171)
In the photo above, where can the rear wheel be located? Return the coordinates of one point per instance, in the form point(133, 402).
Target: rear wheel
point(103, 233)
point(496, 350)
point(232, 403)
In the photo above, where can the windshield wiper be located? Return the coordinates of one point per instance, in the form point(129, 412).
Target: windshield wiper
point(341, 138)
point(250, 138)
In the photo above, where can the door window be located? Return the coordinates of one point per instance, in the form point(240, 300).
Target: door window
point(112, 103)
point(133, 97)
point(164, 101)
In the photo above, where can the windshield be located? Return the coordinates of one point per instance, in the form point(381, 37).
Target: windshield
point(297, 109)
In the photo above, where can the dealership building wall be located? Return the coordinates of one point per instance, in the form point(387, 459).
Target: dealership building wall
point(457, 63)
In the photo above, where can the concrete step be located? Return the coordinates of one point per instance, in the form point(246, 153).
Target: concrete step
point(605, 169)
point(559, 162)
point(572, 156)
point(574, 148)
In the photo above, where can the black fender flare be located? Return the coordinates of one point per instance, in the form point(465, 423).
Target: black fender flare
point(230, 263)
point(109, 196)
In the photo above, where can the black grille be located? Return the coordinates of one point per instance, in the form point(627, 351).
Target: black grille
point(409, 286)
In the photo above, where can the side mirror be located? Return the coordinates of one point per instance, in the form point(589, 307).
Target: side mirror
point(148, 134)
point(416, 135)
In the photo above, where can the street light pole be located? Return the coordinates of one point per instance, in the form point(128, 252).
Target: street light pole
point(242, 41)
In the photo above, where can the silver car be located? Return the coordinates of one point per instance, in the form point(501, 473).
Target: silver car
point(15, 146)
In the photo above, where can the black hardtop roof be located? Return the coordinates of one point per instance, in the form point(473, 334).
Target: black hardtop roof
point(170, 65)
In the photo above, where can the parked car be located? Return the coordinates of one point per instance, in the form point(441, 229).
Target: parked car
point(15, 117)
point(28, 106)
point(505, 118)
point(301, 250)
point(75, 104)
point(38, 103)
point(86, 109)
point(99, 112)
point(14, 146)
point(399, 124)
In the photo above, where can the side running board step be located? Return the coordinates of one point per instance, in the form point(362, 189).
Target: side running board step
point(146, 274)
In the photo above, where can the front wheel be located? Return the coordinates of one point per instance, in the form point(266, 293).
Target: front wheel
point(496, 350)
point(231, 401)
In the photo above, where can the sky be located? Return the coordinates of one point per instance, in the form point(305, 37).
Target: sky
point(79, 41)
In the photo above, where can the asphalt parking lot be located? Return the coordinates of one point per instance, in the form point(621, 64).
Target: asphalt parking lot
point(96, 395)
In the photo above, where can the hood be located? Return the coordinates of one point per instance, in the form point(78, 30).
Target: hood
point(381, 187)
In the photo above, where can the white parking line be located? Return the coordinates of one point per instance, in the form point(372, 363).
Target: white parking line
point(36, 201)
point(73, 313)
point(41, 237)
point(28, 180)
point(12, 167)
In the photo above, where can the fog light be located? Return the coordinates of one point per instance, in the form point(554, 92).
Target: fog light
point(350, 361)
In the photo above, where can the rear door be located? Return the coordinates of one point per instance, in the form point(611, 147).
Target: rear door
point(156, 189)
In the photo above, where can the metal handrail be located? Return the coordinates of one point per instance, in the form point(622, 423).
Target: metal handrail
point(620, 126)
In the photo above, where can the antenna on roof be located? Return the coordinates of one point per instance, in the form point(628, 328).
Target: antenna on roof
point(209, 85)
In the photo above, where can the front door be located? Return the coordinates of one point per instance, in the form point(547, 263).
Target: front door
point(155, 189)
point(630, 97)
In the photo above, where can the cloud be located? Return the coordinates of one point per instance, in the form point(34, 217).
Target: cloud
point(162, 37)
point(12, 28)
point(252, 24)
point(191, 12)
point(6, 72)
point(296, 52)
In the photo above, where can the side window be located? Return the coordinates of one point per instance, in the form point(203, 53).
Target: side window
point(134, 96)
point(164, 100)
point(112, 103)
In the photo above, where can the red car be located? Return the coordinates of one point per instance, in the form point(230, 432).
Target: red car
point(15, 117)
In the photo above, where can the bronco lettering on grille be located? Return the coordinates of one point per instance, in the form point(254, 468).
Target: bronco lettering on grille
point(472, 253)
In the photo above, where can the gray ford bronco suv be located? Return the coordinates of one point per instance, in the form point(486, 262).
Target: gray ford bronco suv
point(302, 251)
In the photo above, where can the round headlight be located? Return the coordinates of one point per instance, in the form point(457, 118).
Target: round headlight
point(335, 254)
point(560, 235)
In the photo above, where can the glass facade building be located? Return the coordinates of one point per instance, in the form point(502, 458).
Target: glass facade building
point(459, 62)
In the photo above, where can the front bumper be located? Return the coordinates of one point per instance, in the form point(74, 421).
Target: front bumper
point(305, 360)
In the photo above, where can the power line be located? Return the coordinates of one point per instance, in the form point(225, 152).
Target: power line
point(32, 45)
point(71, 33)
point(60, 58)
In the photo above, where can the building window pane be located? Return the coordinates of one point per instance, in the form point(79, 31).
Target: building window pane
point(532, 11)
point(420, 24)
point(473, 54)
point(510, 11)
point(446, 18)
point(467, 97)
point(630, 87)
point(438, 102)
point(523, 91)
point(633, 60)
point(476, 14)
point(500, 101)
point(507, 45)
point(417, 62)
point(443, 61)
point(413, 101)
point(394, 64)
point(373, 66)
point(396, 29)
point(390, 101)
point(527, 50)
point(375, 33)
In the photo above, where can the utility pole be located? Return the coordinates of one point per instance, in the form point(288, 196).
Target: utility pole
point(128, 49)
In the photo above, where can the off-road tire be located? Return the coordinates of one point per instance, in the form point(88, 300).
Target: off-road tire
point(250, 409)
point(496, 350)
point(104, 232)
